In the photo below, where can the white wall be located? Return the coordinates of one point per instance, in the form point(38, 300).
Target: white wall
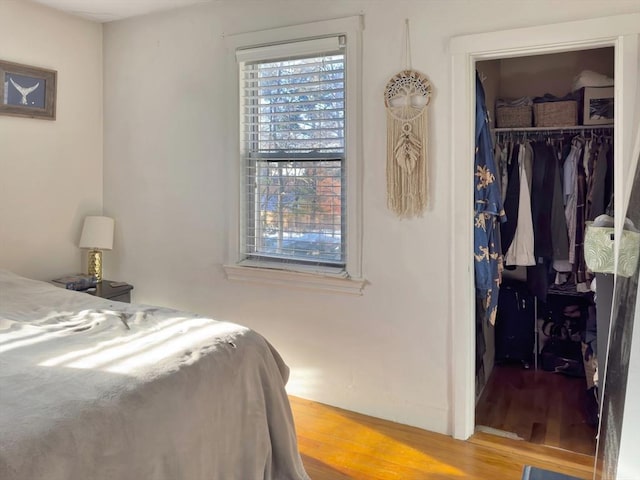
point(50, 171)
point(385, 353)
point(539, 74)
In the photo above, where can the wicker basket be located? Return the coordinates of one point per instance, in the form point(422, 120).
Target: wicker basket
point(556, 114)
point(509, 117)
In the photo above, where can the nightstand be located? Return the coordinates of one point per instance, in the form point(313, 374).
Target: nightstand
point(105, 290)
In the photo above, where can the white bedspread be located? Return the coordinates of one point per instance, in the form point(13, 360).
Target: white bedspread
point(175, 397)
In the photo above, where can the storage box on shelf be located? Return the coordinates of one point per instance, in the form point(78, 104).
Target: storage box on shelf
point(513, 117)
point(556, 114)
point(597, 105)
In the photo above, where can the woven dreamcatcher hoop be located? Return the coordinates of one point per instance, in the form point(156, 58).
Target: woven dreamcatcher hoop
point(406, 98)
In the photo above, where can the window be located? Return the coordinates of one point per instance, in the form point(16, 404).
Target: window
point(292, 142)
point(297, 153)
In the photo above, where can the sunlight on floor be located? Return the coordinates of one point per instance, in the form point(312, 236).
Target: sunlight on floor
point(366, 450)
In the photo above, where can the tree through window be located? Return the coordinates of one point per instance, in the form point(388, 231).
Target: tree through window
point(293, 135)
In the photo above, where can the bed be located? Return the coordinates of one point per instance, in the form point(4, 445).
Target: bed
point(96, 389)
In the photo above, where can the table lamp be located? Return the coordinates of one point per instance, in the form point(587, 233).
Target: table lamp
point(97, 235)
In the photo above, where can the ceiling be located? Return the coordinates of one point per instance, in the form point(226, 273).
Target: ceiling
point(109, 10)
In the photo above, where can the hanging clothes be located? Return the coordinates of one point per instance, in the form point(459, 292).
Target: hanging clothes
point(571, 193)
point(542, 189)
point(559, 233)
point(596, 204)
point(558, 185)
point(521, 250)
point(582, 277)
point(488, 212)
point(511, 186)
point(542, 186)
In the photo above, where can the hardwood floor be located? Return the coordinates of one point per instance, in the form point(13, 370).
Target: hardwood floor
point(540, 407)
point(340, 445)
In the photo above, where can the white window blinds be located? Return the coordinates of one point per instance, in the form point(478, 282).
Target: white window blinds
point(292, 116)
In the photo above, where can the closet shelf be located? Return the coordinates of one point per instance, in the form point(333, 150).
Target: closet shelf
point(574, 128)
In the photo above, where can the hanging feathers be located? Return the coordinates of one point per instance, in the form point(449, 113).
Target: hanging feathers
point(408, 149)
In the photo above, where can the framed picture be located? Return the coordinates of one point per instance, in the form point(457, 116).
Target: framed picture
point(598, 106)
point(27, 91)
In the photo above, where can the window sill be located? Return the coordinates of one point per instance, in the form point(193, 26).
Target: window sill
point(324, 281)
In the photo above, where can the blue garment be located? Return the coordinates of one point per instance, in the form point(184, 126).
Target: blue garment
point(488, 212)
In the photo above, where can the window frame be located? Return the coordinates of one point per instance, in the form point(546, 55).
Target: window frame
point(293, 161)
point(317, 277)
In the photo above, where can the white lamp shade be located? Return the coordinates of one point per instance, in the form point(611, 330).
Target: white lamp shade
point(97, 233)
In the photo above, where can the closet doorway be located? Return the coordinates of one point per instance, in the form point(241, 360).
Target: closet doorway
point(619, 33)
point(536, 375)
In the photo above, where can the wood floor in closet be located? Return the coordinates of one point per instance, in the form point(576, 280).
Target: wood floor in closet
point(540, 407)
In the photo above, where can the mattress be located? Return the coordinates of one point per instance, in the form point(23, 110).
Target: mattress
point(97, 389)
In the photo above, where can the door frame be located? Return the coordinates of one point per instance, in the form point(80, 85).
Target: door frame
point(620, 32)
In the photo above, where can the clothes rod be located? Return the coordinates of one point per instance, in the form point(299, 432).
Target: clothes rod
point(553, 129)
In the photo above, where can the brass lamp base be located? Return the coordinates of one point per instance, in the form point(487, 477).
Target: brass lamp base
point(94, 264)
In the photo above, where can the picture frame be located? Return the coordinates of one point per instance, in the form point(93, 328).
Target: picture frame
point(27, 91)
point(598, 106)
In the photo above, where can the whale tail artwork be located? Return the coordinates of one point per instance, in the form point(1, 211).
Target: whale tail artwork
point(27, 91)
point(24, 91)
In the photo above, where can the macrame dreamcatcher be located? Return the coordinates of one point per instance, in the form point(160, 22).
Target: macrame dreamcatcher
point(406, 98)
